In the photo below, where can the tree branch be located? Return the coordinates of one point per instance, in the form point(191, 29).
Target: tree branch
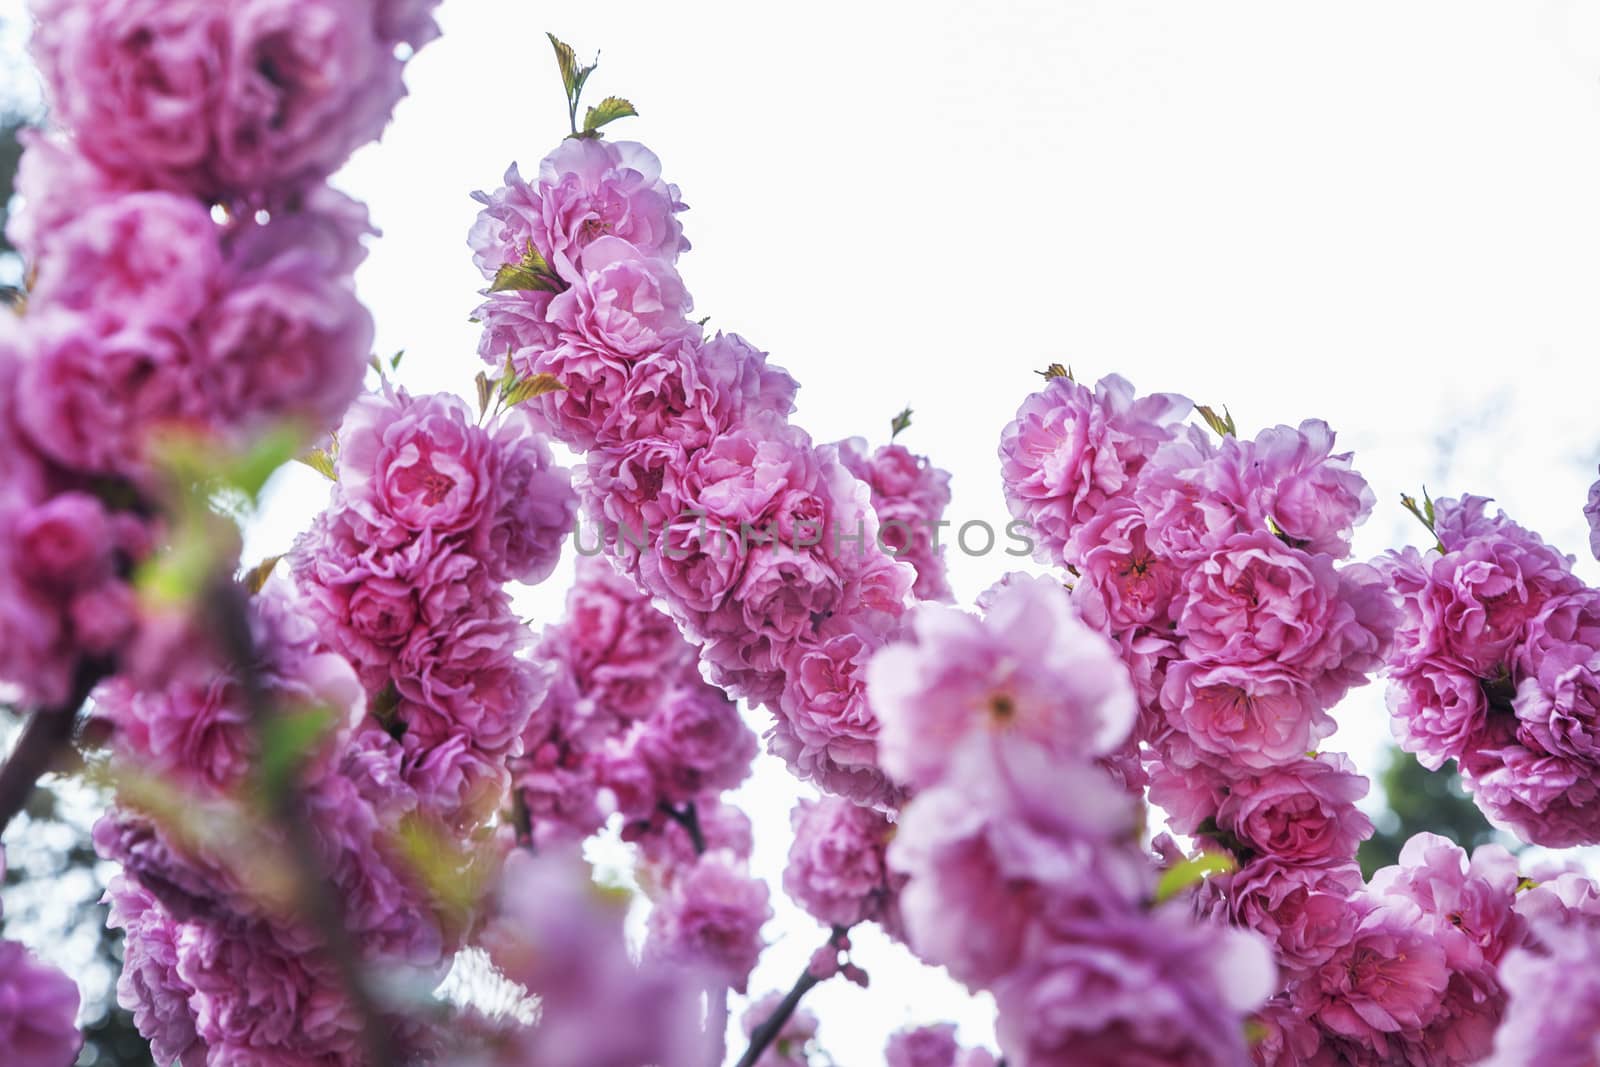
point(765, 1034)
point(45, 735)
point(688, 817)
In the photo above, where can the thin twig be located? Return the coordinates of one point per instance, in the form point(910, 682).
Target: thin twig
point(688, 817)
point(46, 734)
point(231, 617)
point(765, 1034)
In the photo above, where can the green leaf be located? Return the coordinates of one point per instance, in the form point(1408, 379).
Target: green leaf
point(567, 62)
point(519, 278)
point(485, 392)
point(286, 741)
point(1222, 424)
point(607, 111)
point(1192, 872)
point(901, 423)
point(321, 461)
point(394, 361)
point(515, 391)
point(249, 471)
point(256, 577)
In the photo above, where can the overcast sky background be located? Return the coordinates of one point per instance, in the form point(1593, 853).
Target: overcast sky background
point(1383, 213)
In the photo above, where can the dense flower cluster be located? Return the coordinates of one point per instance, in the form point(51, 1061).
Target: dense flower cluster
point(1021, 854)
point(629, 728)
point(1497, 666)
point(763, 545)
point(394, 618)
point(909, 495)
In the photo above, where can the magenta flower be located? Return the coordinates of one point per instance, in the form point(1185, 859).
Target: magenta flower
point(1304, 812)
point(1290, 478)
point(1140, 990)
point(622, 301)
point(534, 506)
point(837, 871)
point(38, 1011)
point(1306, 912)
point(586, 189)
point(1386, 980)
point(1015, 841)
point(1256, 716)
point(1031, 673)
point(149, 985)
point(1552, 1017)
point(1070, 449)
point(923, 1046)
point(1558, 699)
point(420, 463)
point(696, 743)
point(180, 96)
point(711, 919)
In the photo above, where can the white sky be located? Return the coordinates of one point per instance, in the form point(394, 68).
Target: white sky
point(1384, 214)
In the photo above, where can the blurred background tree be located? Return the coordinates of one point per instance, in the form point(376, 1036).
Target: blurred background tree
point(1420, 800)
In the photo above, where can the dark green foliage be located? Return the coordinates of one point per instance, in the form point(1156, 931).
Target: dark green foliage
point(1421, 800)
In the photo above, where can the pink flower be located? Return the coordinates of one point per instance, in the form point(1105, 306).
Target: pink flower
point(1305, 912)
point(711, 918)
point(287, 335)
point(1291, 478)
point(75, 363)
point(824, 700)
point(1256, 600)
point(470, 677)
point(144, 259)
point(552, 933)
point(1386, 980)
point(1071, 449)
point(38, 1011)
point(1558, 699)
point(534, 508)
point(1016, 842)
point(418, 462)
point(1125, 584)
point(219, 101)
point(1257, 716)
point(65, 543)
point(1553, 1015)
point(909, 495)
point(149, 985)
point(1303, 812)
point(696, 743)
point(623, 301)
point(1547, 799)
point(1437, 710)
point(1031, 673)
point(836, 869)
point(1135, 990)
point(1471, 907)
point(923, 1046)
point(586, 189)
point(1473, 602)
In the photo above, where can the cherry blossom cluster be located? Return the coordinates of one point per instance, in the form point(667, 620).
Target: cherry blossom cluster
point(189, 272)
point(394, 617)
point(1020, 853)
point(764, 546)
point(1497, 666)
point(630, 729)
